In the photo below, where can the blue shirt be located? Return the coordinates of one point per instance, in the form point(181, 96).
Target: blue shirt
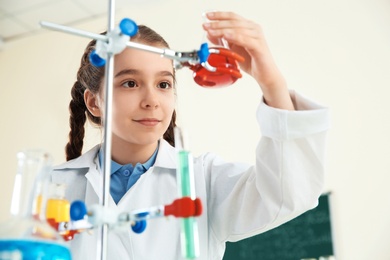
point(123, 177)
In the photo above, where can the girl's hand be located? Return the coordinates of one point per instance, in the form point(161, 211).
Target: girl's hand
point(247, 39)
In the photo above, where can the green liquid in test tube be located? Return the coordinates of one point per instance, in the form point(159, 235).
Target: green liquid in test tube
point(186, 188)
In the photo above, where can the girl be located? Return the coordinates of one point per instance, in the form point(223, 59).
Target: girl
point(239, 200)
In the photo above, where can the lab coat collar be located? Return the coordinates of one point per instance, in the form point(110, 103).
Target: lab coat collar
point(166, 158)
point(87, 160)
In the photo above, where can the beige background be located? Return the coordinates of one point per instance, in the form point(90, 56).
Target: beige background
point(336, 52)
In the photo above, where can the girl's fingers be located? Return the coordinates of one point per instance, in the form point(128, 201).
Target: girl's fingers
point(224, 24)
point(223, 16)
point(234, 33)
point(241, 36)
point(233, 28)
point(228, 20)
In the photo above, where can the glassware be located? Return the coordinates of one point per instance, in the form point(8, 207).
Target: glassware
point(27, 235)
point(222, 68)
point(58, 211)
point(226, 67)
point(217, 66)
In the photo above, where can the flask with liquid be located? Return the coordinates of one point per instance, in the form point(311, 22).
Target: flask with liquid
point(221, 70)
point(27, 235)
point(58, 211)
point(222, 66)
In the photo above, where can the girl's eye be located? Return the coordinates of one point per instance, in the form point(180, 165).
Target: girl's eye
point(164, 85)
point(129, 84)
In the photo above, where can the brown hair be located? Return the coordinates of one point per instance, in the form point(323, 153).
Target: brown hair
point(90, 77)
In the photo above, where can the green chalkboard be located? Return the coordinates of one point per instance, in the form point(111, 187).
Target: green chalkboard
point(307, 236)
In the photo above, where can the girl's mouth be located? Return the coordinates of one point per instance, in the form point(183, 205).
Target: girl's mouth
point(148, 121)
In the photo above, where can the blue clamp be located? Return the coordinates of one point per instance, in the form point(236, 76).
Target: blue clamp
point(78, 210)
point(204, 52)
point(139, 226)
point(95, 59)
point(128, 27)
point(116, 42)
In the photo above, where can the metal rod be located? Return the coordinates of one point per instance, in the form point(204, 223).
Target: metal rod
point(108, 100)
point(168, 53)
point(107, 145)
point(144, 47)
point(62, 28)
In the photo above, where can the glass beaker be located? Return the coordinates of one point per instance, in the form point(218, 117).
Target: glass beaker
point(27, 235)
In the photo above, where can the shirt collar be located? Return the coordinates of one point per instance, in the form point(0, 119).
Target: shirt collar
point(116, 166)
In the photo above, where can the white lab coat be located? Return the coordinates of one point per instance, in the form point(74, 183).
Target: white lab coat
point(239, 200)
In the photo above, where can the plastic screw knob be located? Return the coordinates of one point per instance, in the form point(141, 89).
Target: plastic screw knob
point(139, 226)
point(78, 210)
point(95, 59)
point(128, 27)
point(204, 52)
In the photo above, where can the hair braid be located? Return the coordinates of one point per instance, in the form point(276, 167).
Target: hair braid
point(88, 76)
point(77, 120)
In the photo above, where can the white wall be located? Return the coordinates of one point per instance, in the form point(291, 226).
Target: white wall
point(336, 52)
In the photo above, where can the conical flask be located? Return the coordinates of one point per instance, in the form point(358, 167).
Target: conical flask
point(27, 235)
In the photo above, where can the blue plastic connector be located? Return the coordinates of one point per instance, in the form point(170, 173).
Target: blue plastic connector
point(139, 226)
point(95, 59)
point(128, 27)
point(204, 52)
point(78, 210)
point(142, 214)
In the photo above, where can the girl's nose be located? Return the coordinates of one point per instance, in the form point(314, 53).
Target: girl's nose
point(150, 99)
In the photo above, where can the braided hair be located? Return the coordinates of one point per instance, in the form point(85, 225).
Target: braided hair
point(90, 77)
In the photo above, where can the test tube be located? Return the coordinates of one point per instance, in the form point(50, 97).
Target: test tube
point(186, 188)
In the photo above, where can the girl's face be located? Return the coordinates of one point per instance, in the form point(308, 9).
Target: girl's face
point(143, 97)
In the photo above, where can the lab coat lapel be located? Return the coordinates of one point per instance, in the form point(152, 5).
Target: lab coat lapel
point(94, 189)
point(94, 194)
point(166, 157)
